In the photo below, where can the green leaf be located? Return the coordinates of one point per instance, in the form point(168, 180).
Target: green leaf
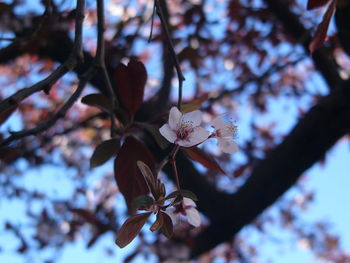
point(97, 100)
point(158, 223)
point(104, 152)
point(183, 193)
point(131, 228)
point(167, 228)
point(142, 200)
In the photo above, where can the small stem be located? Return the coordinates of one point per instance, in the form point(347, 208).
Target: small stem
point(100, 58)
point(173, 162)
point(166, 159)
point(180, 75)
point(152, 22)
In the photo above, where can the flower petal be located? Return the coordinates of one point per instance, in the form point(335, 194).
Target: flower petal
point(189, 202)
point(198, 136)
point(193, 217)
point(228, 130)
point(193, 117)
point(175, 218)
point(217, 123)
point(227, 146)
point(168, 133)
point(174, 117)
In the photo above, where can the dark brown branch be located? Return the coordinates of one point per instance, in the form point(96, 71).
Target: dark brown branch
point(60, 114)
point(45, 85)
point(258, 79)
point(323, 58)
point(180, 75)
point(342, 14)
point(100, 57)
point(98, 63)
point(168, 64)
point(308, 142)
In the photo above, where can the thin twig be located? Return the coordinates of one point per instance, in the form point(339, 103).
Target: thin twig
point(45, 84)
point(83, 80)
point(272, 70)
point(180, 75)
point(60, 114)
point(100, 57)
point(152, 22)
point(7, 39)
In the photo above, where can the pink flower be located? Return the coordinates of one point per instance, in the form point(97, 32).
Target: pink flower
point(184, 129)
point(225, 132)
point(187, 208)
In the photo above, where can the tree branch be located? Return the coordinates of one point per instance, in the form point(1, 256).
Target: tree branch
point(45, 85)
point(322, 58)
point(308, 142)
point(168, 64)
point(180, 75)
point(60, 114)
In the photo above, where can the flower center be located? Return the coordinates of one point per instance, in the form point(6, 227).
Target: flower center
point(229, 130)
point(184, 129)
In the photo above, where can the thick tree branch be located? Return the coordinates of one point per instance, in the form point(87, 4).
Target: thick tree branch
point(308, 142)
point(342, 14)
point(322, 58)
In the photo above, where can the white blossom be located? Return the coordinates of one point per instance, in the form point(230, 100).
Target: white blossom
point(184, 129)
point(186, 208)
point(225, 133)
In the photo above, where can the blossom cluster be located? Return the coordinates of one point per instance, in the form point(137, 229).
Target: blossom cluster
point(185, 130)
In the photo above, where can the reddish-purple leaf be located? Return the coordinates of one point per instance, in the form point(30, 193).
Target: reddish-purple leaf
point(203, 158)
point(97, 100)
point(321, 31)
point(6, 113)
point(131, 228)
point(312, 4)
point(130, 84)
point(130, 181)
point(87, 215)
point(104, 152)
point(167, 228)
point(158, 223)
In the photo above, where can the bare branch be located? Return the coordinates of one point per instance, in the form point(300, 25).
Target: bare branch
point(180, 75)
point(100, 59)
point(60, 114)
point(45, 85)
